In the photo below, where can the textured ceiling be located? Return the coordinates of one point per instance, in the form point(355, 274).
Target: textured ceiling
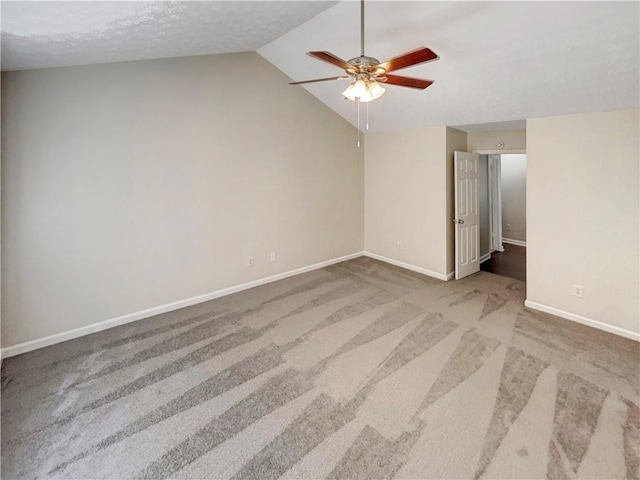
point(500, 62)
point(53, 33)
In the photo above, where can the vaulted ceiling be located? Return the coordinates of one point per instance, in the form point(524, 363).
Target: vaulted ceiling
point(500, 62)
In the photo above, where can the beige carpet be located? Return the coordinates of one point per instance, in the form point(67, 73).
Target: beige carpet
point(359, 370)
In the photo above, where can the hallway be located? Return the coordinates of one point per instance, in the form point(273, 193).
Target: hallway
point(511, 263)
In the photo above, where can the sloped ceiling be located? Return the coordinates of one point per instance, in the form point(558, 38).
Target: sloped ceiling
point(500, 62)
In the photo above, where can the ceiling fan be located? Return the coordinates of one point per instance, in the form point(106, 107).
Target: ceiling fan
point(367, 73)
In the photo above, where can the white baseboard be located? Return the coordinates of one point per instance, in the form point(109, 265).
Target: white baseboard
point(150, 312)
point(511, 241)
point(485, 257)
point(583, 320)
point(408, 266)
point(450, 275)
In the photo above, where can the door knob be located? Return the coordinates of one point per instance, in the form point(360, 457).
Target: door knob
point(460, 222)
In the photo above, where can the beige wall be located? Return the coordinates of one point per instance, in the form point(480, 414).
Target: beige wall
point(513, 190)
point(583, 215)
point(512, 139)
point(456, 141)
point(128, 186)
point(406, 197)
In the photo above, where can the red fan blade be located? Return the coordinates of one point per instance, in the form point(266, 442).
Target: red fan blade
point(408, 59)
point(318, 80)
point(407, 82)
point(331, 58)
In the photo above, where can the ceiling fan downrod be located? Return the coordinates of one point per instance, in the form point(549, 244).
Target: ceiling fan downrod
point(362, 60)
point(362, 28)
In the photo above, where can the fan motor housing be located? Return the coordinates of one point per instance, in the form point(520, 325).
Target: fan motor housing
point(362, 61)
point(364, 66)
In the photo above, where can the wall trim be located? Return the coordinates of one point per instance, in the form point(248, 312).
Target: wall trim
point(583, 320)
point(150, 312)
point(511, 241)
point(485, 257)
point(408, 266)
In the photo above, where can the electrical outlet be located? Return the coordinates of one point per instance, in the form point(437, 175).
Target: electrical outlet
point(399, 245)
point(250, 262)
point(272, 257)
point(508, 227)
point(578, 291)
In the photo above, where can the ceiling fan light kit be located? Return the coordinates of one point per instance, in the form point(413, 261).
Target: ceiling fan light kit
point(363, 90)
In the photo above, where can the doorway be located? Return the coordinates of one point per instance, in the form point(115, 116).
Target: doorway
point(502, 209)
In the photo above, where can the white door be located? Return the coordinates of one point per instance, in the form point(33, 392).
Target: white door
point(466, 211)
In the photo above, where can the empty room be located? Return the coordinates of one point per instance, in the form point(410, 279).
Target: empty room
point(320, 239)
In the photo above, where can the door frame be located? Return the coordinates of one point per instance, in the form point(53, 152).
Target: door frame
point(495, 197)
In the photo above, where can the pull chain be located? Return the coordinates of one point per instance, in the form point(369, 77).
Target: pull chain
point(367, 127)
point(358, 142)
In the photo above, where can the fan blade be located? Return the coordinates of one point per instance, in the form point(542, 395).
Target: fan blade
point(408, 59)
point(318, 80)
point(418, 83)
point(331, 58)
